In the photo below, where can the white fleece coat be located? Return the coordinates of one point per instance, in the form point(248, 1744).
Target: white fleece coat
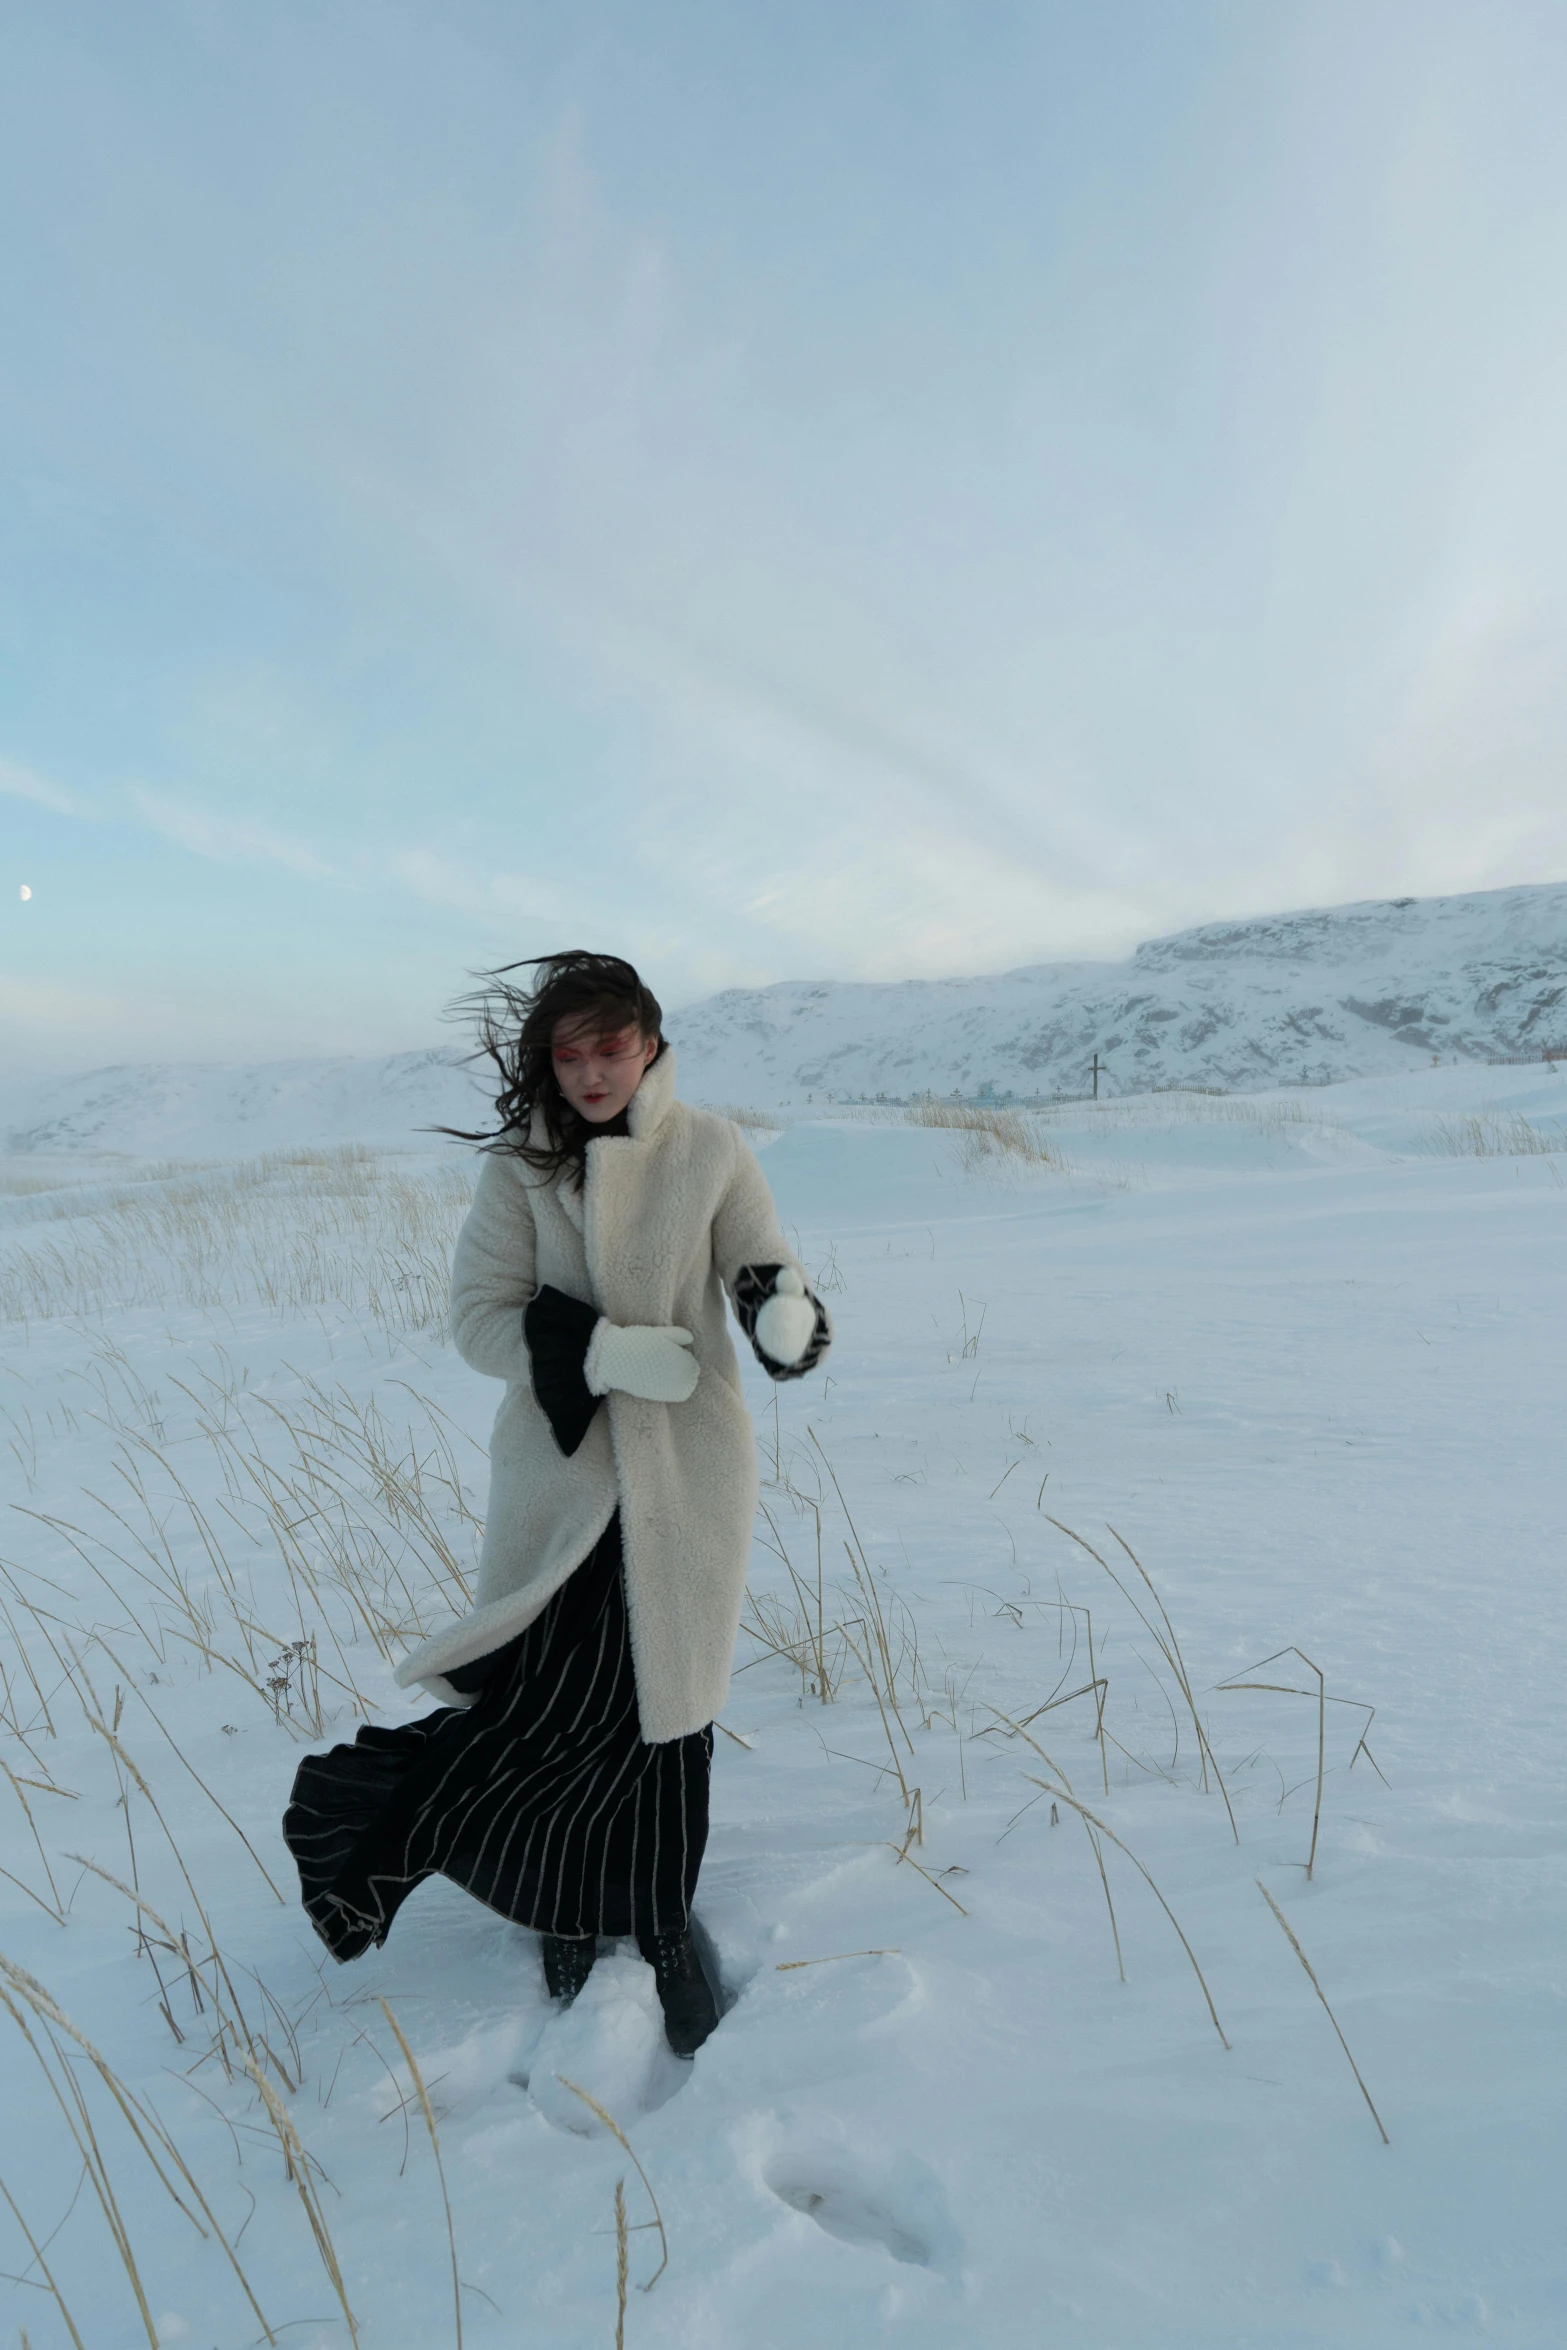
point(665, 1220)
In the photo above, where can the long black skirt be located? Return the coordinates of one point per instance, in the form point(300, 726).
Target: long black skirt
point(542, 1798)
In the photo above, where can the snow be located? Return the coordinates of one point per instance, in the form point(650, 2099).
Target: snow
point(1299, 999)
point(211, 1109)
point(1299, 1355)
point(1307, 998)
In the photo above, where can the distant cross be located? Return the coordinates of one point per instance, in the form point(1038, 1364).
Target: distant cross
point(1099, 1070)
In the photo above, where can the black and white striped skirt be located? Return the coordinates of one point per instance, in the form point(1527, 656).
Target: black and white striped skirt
point(542, 1799)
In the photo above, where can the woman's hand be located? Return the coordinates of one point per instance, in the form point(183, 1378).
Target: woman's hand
point(787, 1322)
point(642, 1358)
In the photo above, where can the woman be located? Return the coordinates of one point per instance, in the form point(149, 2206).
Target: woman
point(564, 1780)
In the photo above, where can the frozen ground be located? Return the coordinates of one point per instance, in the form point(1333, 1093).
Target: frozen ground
point(1305, 1360)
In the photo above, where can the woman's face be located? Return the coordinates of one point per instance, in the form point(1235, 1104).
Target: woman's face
point(599, 1069)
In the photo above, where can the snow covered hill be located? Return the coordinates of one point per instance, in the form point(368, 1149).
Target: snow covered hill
point(1316, 997)
point(215, 1109)
point(1313, 998)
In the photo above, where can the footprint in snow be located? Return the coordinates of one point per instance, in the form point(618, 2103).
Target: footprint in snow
point(461, 2076)
point(611, 2043)
point(893, 2203)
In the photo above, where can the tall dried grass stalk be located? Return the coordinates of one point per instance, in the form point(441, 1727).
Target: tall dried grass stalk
point(901, 1852)
point(425, 2108)
point(1169, 1647)
point(22, 1990)
point(1320, 1693)
point(232, 2018)
point(1060, 1795)
point(619, 2135)
point(787, 1966)
point(1104, 1879)
point(804, 1637)
point(1289, 1933)
point(53, 1907)
point(297, 2164)
point(622, 2264)
point(900, 1656)
point(1023, 1733)
point(47, 2272)
point(230, 2024)
point(220, 1808)
point(1281, 1689)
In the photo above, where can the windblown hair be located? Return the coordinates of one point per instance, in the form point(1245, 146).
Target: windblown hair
point(516, 1024)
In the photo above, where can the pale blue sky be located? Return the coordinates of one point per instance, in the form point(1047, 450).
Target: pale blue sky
point(782, 491)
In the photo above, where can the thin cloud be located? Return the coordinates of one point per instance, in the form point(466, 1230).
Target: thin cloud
point(231, 840)
point(22, 784)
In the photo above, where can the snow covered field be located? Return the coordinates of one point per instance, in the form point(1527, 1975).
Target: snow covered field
point(1302, 1352)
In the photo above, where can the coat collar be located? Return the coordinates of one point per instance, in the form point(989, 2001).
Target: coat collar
point(649, 1107)
point(650, 1103)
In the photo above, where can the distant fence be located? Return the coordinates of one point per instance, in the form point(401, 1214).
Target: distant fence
point(1550, 1052)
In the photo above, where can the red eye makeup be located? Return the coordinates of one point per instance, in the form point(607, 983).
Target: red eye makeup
point(607, 1048)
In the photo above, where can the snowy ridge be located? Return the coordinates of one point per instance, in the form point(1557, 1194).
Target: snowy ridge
point(1306, 998)
point(1313, 998)
point(215, 1109)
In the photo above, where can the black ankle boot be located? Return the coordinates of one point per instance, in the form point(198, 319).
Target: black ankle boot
point(568, 1962)
point(690, 2012)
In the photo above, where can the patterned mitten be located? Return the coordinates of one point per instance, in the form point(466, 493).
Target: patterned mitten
point(787, 1322)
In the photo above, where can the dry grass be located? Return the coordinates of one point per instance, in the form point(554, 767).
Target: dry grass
point(23, 1176)
point(619, 2135)
point(870, 1623)
point(427, 2110)
point(297, 2164)
point(1165, 1110)
point(753, 1121)
point(1323, 1700)
point(1162, 1632)
point(867, 1625)
point(988, 1135)
point(789, 1966)
point(1311, 1977)
point(289, 1231)
point(15, 1185)
point(1060, 1795)
point(45, 2271)
point(44, 2026)
point(364, 1515)
point(273, 1540)
point(1495, 1134)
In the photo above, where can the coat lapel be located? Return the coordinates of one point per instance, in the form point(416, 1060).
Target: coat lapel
point(571, 1204)
point(613, 1225)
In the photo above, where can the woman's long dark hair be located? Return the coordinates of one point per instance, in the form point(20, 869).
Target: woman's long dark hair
point(516, 1024)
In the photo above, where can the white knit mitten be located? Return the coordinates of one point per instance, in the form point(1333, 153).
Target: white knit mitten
point(787, 1322)
point(653, 1361)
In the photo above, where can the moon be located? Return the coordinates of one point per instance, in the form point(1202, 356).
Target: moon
point(25, 893)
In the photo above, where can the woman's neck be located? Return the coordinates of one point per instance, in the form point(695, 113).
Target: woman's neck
point(575, 1169)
